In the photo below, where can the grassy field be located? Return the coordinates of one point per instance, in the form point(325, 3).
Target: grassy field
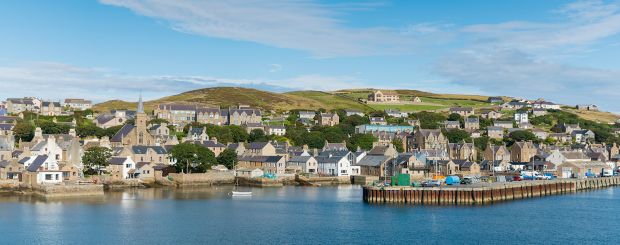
point(408, 107)
point(314, 100)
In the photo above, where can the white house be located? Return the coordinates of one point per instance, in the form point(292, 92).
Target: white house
point(122, 165)
point(276, 130)
point(334, 163)
point(47, 147)
point(45, 167)
point(303, 164)
point(521, 118)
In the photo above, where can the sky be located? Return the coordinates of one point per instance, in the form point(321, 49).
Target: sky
point(564, 51)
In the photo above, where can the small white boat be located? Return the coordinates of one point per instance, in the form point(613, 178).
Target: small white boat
point(241, 193)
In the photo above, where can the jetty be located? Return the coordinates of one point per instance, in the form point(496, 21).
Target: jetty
point(482, 193)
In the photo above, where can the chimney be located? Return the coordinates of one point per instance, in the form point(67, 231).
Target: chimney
point(38, 133)
point(214, 139)
point(72, 132)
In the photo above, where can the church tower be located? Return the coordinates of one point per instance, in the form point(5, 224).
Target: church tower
point(140, 123)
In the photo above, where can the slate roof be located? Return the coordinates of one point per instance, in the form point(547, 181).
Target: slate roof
point(141, 149)
point(372, 160)
point(37, 163)
point(6, 126)
point(117, 160)
point(177, 107)
point(208, 143)
point(124, 131)
point(300, 159)
point(256, 145)
point(269, 159)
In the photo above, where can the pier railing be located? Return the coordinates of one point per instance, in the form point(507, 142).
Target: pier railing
point(491, 193)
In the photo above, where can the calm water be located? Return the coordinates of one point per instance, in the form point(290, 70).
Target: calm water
point(325, 215)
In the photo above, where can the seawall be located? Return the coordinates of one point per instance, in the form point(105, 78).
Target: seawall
point(491, 193)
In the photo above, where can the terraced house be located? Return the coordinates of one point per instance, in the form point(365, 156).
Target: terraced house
point(181, 115)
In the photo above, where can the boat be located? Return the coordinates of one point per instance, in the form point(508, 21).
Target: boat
point(236, 193)
point(241, 193)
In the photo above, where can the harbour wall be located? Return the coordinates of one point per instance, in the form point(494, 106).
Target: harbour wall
point(493, 193)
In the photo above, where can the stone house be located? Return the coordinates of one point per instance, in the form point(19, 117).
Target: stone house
point(522, 151)
point(50, 108)
point(472, 123)
point(351, 112)
point(269, 164)
point(137, 134)
point(539, 112)
point(452, 124)
point(463, 111)
point(466, 151)
point(302, 164)
point(490, 114)
point(384, 96)
point(329, 119)
point(427, 139)
point(18, 105)
point(307, 114)
point(495, 132)
point(260, 149)
point(496, 153)
point(466, 167)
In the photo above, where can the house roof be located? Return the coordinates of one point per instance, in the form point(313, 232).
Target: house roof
point(300, 159)
point(373, 160)
point(269, 159)
point(257, 145)
point(141, 149)
point(124, 131)
point(117, 160)
point(37, 163)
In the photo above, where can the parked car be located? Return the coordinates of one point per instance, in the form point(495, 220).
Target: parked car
point(517, 178)
point(607, 173)
point(431, 183)
point(467, 181)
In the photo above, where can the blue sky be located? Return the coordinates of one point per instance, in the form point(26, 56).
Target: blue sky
point(565, 51)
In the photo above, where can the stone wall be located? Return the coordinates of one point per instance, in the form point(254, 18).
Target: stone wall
point(62, 190)
point(210, 178)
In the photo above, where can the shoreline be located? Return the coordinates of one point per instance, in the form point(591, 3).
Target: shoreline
point(493, 193)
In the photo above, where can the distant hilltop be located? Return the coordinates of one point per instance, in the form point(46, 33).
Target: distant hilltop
point(358, 99)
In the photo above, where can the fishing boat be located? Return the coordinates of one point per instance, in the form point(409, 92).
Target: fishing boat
point(236, 193)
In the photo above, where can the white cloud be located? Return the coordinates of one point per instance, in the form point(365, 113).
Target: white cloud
point(299, 24)
point(56, 81)
point(275, 68)
point(528, 59)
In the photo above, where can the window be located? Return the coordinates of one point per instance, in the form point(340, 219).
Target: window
point(48, 177)
point(128, 165)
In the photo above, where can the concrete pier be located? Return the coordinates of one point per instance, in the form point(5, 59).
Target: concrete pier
point(482, 193)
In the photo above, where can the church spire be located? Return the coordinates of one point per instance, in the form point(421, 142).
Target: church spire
point(140, 104)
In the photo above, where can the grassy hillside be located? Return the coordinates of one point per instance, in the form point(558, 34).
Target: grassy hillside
point(232, 96)
point(342, 99)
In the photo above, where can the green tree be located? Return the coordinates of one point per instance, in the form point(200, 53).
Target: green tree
point(227, 158)
point(23, 131)
point(454, 117)
point(191, 158)
point(457, 135)
point(49, 127)
point(94, 158)
point(238, 133)
point(429, 120)
point(315, 139)
point(364, 141)
point(86, 130)
point(257, 135)
point(522, 135)
point(398, 145)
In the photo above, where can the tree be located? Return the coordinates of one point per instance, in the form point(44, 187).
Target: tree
point(23, 131)
point(454, 117)
point(192, 158)
point(457, 135)
point(238, 133)
point(523, 135)
point(49, 127)
point(86, 130)
point(257, 135)
point(363, 141)
point(314, 139)
point(429, 120)
point(227, 158)
point(398, 145)
point(96, 157)
point(157, 121)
